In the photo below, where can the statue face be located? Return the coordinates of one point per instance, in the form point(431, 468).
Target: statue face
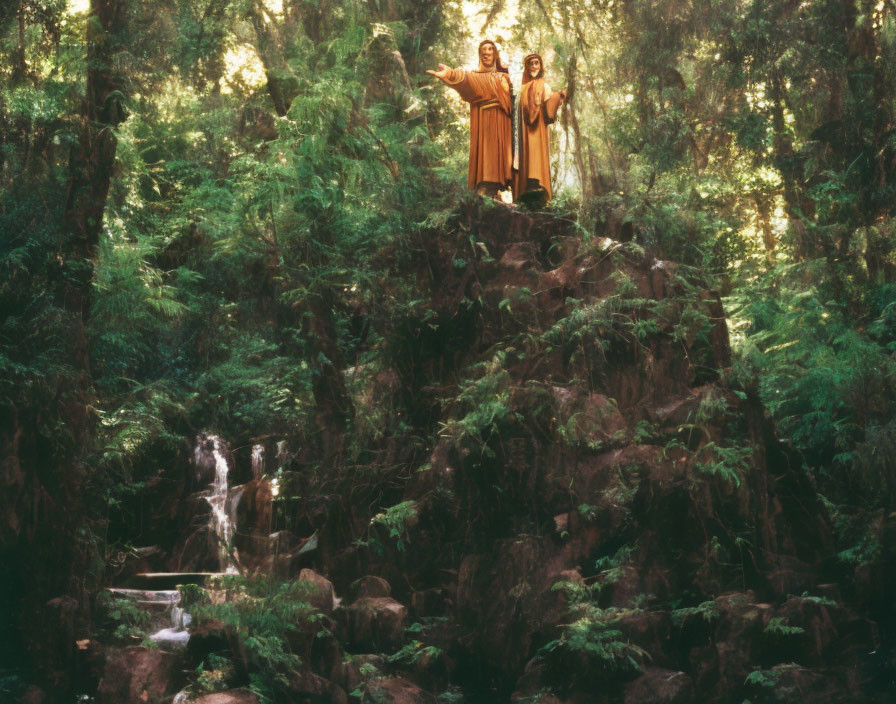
point(487, 55)
point(533, 66)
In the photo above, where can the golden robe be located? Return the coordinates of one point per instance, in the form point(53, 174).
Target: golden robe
point(536, 113)
point(491, 145)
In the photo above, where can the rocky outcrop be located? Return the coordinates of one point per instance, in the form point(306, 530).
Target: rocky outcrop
point(592, 437)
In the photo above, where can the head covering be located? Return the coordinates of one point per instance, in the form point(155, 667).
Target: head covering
point(533, 97)
point(526, 76)
point(498, 65)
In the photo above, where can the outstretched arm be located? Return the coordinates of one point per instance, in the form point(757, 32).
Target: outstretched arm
point(451, 76)
point(474, 86)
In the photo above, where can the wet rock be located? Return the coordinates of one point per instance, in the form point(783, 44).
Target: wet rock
point(397, 690)
point(138, 675)
point(254, 519)
point(659, 686)
point(321, 595)
point(368, 586)
point(310, 688)
point(373, 624)
point(234, 696)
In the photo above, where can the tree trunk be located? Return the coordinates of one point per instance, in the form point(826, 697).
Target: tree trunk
point(92, 162)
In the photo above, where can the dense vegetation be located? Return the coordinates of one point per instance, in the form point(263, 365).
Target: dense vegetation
point(209, 209)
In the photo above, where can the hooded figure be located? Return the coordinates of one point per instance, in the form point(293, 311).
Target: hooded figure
point(488, 91)
point(538, 109)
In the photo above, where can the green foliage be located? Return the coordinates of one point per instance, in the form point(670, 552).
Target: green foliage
point(767, 679)
point(484, 405)
point(728, 463)
point(394, 522)
point(829, 385)
point(706, 610)
point(609, 567)
point(777, 626)
point(595, 635)
point(265, 615)
point(122, 619)
point(415, 653)
point(819, 600)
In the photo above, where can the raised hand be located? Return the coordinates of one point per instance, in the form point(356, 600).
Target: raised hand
point(442, 72)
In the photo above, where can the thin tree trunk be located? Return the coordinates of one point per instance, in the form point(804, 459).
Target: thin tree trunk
point(19, 67)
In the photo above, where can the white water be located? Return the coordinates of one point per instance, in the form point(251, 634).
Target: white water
point(176, 636)
point(165, 610)
point(257, 461)
point(223, 509)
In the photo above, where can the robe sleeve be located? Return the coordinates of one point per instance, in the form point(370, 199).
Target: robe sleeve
point(551, 106)
point(473, 86)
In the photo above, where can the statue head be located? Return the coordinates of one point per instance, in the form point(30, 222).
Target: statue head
point(489, 58)
point(533, 67)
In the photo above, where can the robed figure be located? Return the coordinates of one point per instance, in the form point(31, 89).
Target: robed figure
point(538, 109)
point(488, 91)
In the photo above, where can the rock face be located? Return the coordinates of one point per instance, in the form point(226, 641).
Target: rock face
point(593, 438)
point(139, 675)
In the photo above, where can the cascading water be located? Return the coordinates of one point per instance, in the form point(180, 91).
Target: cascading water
point(166, 614)
point(222, 501)
point(257, 461)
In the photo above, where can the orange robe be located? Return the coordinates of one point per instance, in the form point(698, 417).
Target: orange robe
point(491, 146)
point(536, 113)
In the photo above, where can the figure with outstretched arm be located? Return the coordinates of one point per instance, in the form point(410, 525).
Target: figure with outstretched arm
point(538, 109)
point(488, 91)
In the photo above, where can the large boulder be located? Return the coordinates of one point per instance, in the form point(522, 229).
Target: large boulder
point(373, 624)
point(138, 675)
point(368, 586)
point(321, 594)
point(309, 688)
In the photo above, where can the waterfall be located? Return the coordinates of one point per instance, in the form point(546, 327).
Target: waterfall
point(223, 504)
point(257, 461)
point(167, 617)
